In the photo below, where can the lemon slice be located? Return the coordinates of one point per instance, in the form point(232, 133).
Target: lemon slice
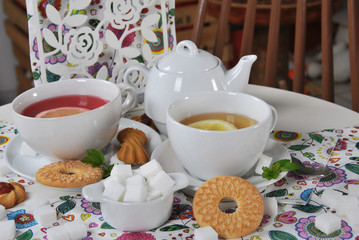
point(214, 125)
point(61, 112)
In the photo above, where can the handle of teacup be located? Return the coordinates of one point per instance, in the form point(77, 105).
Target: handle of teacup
point(131, 96)
point(274, 117)
point(127, 78)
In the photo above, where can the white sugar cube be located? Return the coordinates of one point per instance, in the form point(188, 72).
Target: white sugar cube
point(345, 204)
point(2, 212)
point(26, 150)
point(162, 182)
point(34, 203)
point(4, 169)
point(136, 189)
point(330, 197)
point(353, 190)
point(205, 233)
point(114, 190)
point(270, 206)
point(135, 193)
point(151, 168)
point(45, 215)
point(121, 171)
point(327, 223)
point(76, 229)
point(264, 161)
point(114, 160)
point(136, 171)
point(8, 229)
point(153, 194)
point(135, 180)
point(58, 233)
point(353, 217)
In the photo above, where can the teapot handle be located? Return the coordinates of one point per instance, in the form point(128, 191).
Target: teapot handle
point(187, 47)
point(140, 81)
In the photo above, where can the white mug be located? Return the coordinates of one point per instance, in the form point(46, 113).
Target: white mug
point(205, 153)
point(69, 137)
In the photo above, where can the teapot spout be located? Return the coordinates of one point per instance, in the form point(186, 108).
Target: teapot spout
point(237, 78)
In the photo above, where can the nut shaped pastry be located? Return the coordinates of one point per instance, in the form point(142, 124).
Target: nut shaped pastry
point(132, 149)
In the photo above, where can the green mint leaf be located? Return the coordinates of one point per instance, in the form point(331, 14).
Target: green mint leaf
point(107, 171)
point(283, 165)
point(283, 162)
point(292, 166)
point(94, 157)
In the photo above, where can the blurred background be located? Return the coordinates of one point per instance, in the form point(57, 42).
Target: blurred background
point(16, 74)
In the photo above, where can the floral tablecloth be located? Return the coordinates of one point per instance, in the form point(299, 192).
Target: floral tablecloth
point(337, 148)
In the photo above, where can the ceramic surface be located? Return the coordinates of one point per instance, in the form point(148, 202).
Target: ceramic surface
point(135, 217)
point(208, 154)
point(185, 71)
point(69, 137)
point(27, 166)
point(166, 157)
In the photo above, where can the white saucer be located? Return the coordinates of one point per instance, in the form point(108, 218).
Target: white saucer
point(165, 156)
point(27, 166)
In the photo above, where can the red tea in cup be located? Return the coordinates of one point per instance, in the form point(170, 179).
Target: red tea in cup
point(63, 106)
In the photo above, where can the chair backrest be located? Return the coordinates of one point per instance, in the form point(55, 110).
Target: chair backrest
point(274, 27)
point(98, 39)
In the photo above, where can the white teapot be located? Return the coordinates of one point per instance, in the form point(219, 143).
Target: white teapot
point(185, 71)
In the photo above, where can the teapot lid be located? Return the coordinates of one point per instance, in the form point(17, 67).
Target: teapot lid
point(187, 59)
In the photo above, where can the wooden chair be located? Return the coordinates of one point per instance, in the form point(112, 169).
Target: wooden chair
point(299, 44)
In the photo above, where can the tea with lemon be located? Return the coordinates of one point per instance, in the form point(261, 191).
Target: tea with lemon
point(219, 121)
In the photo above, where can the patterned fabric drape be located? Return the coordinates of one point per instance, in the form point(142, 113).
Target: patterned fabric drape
point(98, 38)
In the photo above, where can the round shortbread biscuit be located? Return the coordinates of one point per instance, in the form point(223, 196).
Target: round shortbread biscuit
point(246, 218)
point(68, 174)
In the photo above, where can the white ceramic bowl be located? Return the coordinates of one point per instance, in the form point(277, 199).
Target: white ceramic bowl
point(70, 137)
point(135, 217)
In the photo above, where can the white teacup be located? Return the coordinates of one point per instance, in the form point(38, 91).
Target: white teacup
point(205, 153)
point(69, 137)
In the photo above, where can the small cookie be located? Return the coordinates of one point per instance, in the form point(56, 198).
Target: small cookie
point(68, 174)
point(246, 218)
point(11, 194)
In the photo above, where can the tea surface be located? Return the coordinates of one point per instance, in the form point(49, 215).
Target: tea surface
point(239, 121)
point(75, 101)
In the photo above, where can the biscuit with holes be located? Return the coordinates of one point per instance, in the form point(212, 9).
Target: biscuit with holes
point(247, 216)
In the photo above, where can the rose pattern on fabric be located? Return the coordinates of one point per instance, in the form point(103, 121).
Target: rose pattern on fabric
point(136, 236)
